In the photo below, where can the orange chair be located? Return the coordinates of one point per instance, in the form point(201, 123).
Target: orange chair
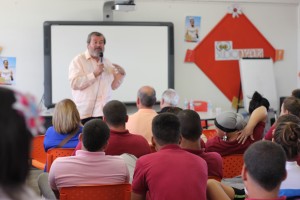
point(232, 165)
point(209, 133)
point(38, 154)
point(54, 153)
point(94, 192)
point(200, 106)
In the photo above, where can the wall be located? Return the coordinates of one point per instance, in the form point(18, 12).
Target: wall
point(21, 36)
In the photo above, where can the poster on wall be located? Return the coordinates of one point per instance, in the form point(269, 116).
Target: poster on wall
point(192, 26)
point(7, 70)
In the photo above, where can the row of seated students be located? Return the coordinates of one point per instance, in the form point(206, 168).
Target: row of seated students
point(178, 169)
point(229, 126)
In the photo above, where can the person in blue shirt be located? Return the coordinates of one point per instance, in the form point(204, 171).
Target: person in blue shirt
point(66, 126)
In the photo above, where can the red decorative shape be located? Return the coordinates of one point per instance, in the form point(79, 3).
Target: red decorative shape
point(225, 74)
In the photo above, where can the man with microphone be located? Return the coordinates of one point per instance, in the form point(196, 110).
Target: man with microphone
point(93, 77)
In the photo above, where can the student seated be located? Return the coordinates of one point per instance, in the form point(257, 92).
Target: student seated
point(121, 140)
point(66, 126)
point(234, 135)
point(287, 134)
point(229, 126)
point(290, 105)
point(90, 166)
point(169, 173)
point(191, 130)
point(19, 122)
point(262, 174)
point(169, 102)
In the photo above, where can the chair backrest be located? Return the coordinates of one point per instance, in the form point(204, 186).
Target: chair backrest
point(94, 192)
point(232, 165)
point(38, 154)
point(200, 106)
point(209, 133)
point(54, 153)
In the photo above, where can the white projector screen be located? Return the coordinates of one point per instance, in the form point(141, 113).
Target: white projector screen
point(144, 49)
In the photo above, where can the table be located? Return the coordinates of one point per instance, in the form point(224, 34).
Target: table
point(205, 116)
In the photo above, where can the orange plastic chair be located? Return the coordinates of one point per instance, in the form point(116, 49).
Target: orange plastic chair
point(209, 133)
point(38, 154)
point(200, 106)
point(94, 192)
point(54, 153)
point(232, 165)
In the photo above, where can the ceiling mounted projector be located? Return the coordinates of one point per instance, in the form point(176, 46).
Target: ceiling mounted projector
point(124, 5)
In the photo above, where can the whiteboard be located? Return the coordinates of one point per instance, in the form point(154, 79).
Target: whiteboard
point(144, 50)
point(257, 74)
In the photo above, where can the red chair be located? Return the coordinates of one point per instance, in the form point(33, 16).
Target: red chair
point(95, 192)
point(200, 106)
point(54, 153)
point(38, 154)
point(232, 165)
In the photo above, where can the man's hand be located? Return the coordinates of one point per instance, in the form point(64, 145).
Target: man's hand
point(98, 71)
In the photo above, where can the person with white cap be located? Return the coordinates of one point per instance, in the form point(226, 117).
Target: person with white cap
point(229, 126)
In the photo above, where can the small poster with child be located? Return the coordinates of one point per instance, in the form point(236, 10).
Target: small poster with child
point(7, 70)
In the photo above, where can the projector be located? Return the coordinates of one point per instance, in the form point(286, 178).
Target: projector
point(124, 5)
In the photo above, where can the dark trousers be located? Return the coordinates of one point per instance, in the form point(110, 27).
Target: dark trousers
point(83, 121)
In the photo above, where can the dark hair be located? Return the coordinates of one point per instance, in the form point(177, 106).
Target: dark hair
point(115, 113)
point(265, 162)
point(165, 128)
point(174, 110)
point(95, 135)
point(14, 145)
point(190, 124)
point(147, 98)
point(258, 100)
point(292, 105)
point(287, 134)
point(296, 93)
point(96, 34)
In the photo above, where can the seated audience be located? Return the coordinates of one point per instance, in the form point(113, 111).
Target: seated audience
point(262, 176)
point(169, 102)
point(19, 122)
point(140, 122)
point(296, 93)
point(290, 105)
point(66, 126)
point(90, 165)
point(191, 130)
point(258, 111)
point(170, 173)
point(229, 125)
point(287, 134)
point(120, 140)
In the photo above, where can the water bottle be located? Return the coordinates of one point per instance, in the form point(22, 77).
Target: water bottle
point(191, 104)
point(186, 104)
point(209, 108)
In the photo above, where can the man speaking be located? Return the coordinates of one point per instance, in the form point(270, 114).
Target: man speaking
point(93, 77)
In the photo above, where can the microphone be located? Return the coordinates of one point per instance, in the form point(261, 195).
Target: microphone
point(101, 56)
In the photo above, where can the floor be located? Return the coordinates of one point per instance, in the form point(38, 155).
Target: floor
point(32, 179)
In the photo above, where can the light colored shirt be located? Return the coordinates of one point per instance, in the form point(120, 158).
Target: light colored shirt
point(141, 123)
point(87, 168)
point(290, 186)
point(90, 93)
